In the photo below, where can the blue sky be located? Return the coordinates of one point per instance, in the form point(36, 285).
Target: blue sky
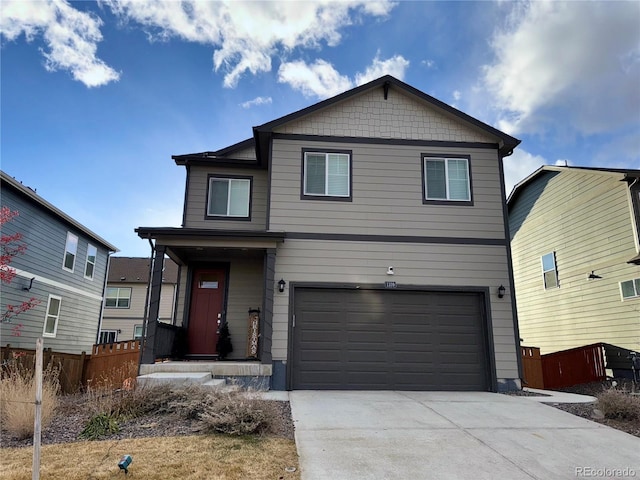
point(97, 96)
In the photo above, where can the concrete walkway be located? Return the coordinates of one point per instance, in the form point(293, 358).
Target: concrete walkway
point(444, 435)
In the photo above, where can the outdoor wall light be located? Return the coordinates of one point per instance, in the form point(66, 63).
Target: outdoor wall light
point(281, 285)
point(501, 291)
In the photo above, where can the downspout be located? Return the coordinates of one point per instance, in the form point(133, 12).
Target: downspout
point(146, 301)
point(104, 294)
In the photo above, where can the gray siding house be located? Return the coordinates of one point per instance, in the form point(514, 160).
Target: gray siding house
point(126, 298)
point(575, 237)
point(64, 267)
point(369, 231)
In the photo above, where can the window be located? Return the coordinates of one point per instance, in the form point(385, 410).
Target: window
point(52, 316)
point(108, 336)
point(229, 197)
point(326, 174)
point(630, 289)
point(137, 332)
point(118, 297)
point(446, 180)
point(70, 251)
point(90, 265)
point(549, 270)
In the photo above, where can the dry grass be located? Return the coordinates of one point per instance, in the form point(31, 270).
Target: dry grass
point(17, 397)
point(618, 404)
point(214, 457)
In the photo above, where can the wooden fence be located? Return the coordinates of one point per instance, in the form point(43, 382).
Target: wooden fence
point(574, 366)
point(532, 367)
point(108, 363)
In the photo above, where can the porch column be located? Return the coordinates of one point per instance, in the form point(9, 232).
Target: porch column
point(149, 345)
point(266, 319)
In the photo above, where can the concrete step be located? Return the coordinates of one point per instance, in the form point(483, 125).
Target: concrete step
point(174, 378)
point(215, 383)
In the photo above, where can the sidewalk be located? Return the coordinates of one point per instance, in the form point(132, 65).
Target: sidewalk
point(551, 396)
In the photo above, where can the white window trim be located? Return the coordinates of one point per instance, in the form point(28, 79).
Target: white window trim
point(46, 317)
point(75, 254)
point(87, 262)
point(141, 332)
point(446, 179)
point(228, 180)
point(555, 269)
point(634, 297)
point(115, 332)
point(118, 297)
point(326, 175)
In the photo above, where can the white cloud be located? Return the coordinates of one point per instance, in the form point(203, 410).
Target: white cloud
point(320, 79)
point(71, 36)
point(456, 95)
point(257, 101)
point(580, 58)
point(428, 63)
point(520, 165)
point(247, 34)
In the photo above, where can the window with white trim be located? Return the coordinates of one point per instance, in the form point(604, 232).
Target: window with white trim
point(70, 251)
point(52, 316)
point(446, 179)
point(326, 174)
point(118, 297)
point(630, 289)
point(549, 270)
point(108, 336)
point(137, 332)
point(229, 197)
point(90, 264)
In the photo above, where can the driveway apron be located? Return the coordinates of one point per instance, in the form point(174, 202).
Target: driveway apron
point(452, 435)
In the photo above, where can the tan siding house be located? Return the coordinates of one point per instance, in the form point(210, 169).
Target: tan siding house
point(587, 221)
point(369, 234)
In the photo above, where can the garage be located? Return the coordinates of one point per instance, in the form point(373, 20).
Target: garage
point(388, 339)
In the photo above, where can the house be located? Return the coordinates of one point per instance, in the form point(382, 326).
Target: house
point(575, 236)
point(64, 267)
point(126, 298)
point(367, 234)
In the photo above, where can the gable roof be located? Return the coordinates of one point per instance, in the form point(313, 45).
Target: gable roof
point(626, 175)
point(136, 270)
point(33, 197)
point(262, 133)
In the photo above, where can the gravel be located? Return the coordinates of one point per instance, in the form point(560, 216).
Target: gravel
point(71, 418)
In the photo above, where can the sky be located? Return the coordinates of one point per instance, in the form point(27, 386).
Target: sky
point(95, 97)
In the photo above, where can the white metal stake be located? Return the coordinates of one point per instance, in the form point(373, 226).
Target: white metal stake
point(37, 421)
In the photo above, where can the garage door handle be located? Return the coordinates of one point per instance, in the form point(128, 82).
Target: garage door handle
point(294, 322)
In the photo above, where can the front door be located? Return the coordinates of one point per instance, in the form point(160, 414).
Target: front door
point(207, 308)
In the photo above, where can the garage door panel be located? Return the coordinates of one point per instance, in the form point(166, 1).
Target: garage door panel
point(386, 339)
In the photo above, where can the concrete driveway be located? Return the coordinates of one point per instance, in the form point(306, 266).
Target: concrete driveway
point(445, 435)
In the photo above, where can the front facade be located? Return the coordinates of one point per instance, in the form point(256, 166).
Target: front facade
point(126, 299)
point(368, 230)
point(64, 267)
point(575, 237)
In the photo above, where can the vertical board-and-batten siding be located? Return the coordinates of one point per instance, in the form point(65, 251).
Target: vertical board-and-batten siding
point(45, 237)
point(197, 199)
point(585, 218)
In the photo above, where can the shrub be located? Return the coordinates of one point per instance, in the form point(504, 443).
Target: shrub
point(17, 397)
point(99, 426)
point(237, 414)
point(619, 404)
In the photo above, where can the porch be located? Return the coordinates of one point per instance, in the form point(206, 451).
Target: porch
point(226, 281)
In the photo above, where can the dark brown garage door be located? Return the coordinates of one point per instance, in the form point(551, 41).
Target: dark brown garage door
point(365, 339)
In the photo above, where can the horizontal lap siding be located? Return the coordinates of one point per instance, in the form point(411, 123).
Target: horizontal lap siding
point(585, 218)
point(197, 199)
point(414, 264)
point(387, 194)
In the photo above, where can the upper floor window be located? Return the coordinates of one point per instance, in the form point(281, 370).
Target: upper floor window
point(446, 179)
point(90, 265)
point(118, 297)
point(229, 197)
point(70, 250)
point(549, 270)
point(52, 316)
point(630, 288)
point(326, 175)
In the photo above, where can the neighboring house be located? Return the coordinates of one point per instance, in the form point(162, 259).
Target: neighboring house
point(64, 267)
point(575, 236)
point(126, 298)
point(369, 230)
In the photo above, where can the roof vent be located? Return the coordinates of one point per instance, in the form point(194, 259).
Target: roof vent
point(122, 279)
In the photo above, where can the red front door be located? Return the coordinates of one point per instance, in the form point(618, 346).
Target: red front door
point(207, 307)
